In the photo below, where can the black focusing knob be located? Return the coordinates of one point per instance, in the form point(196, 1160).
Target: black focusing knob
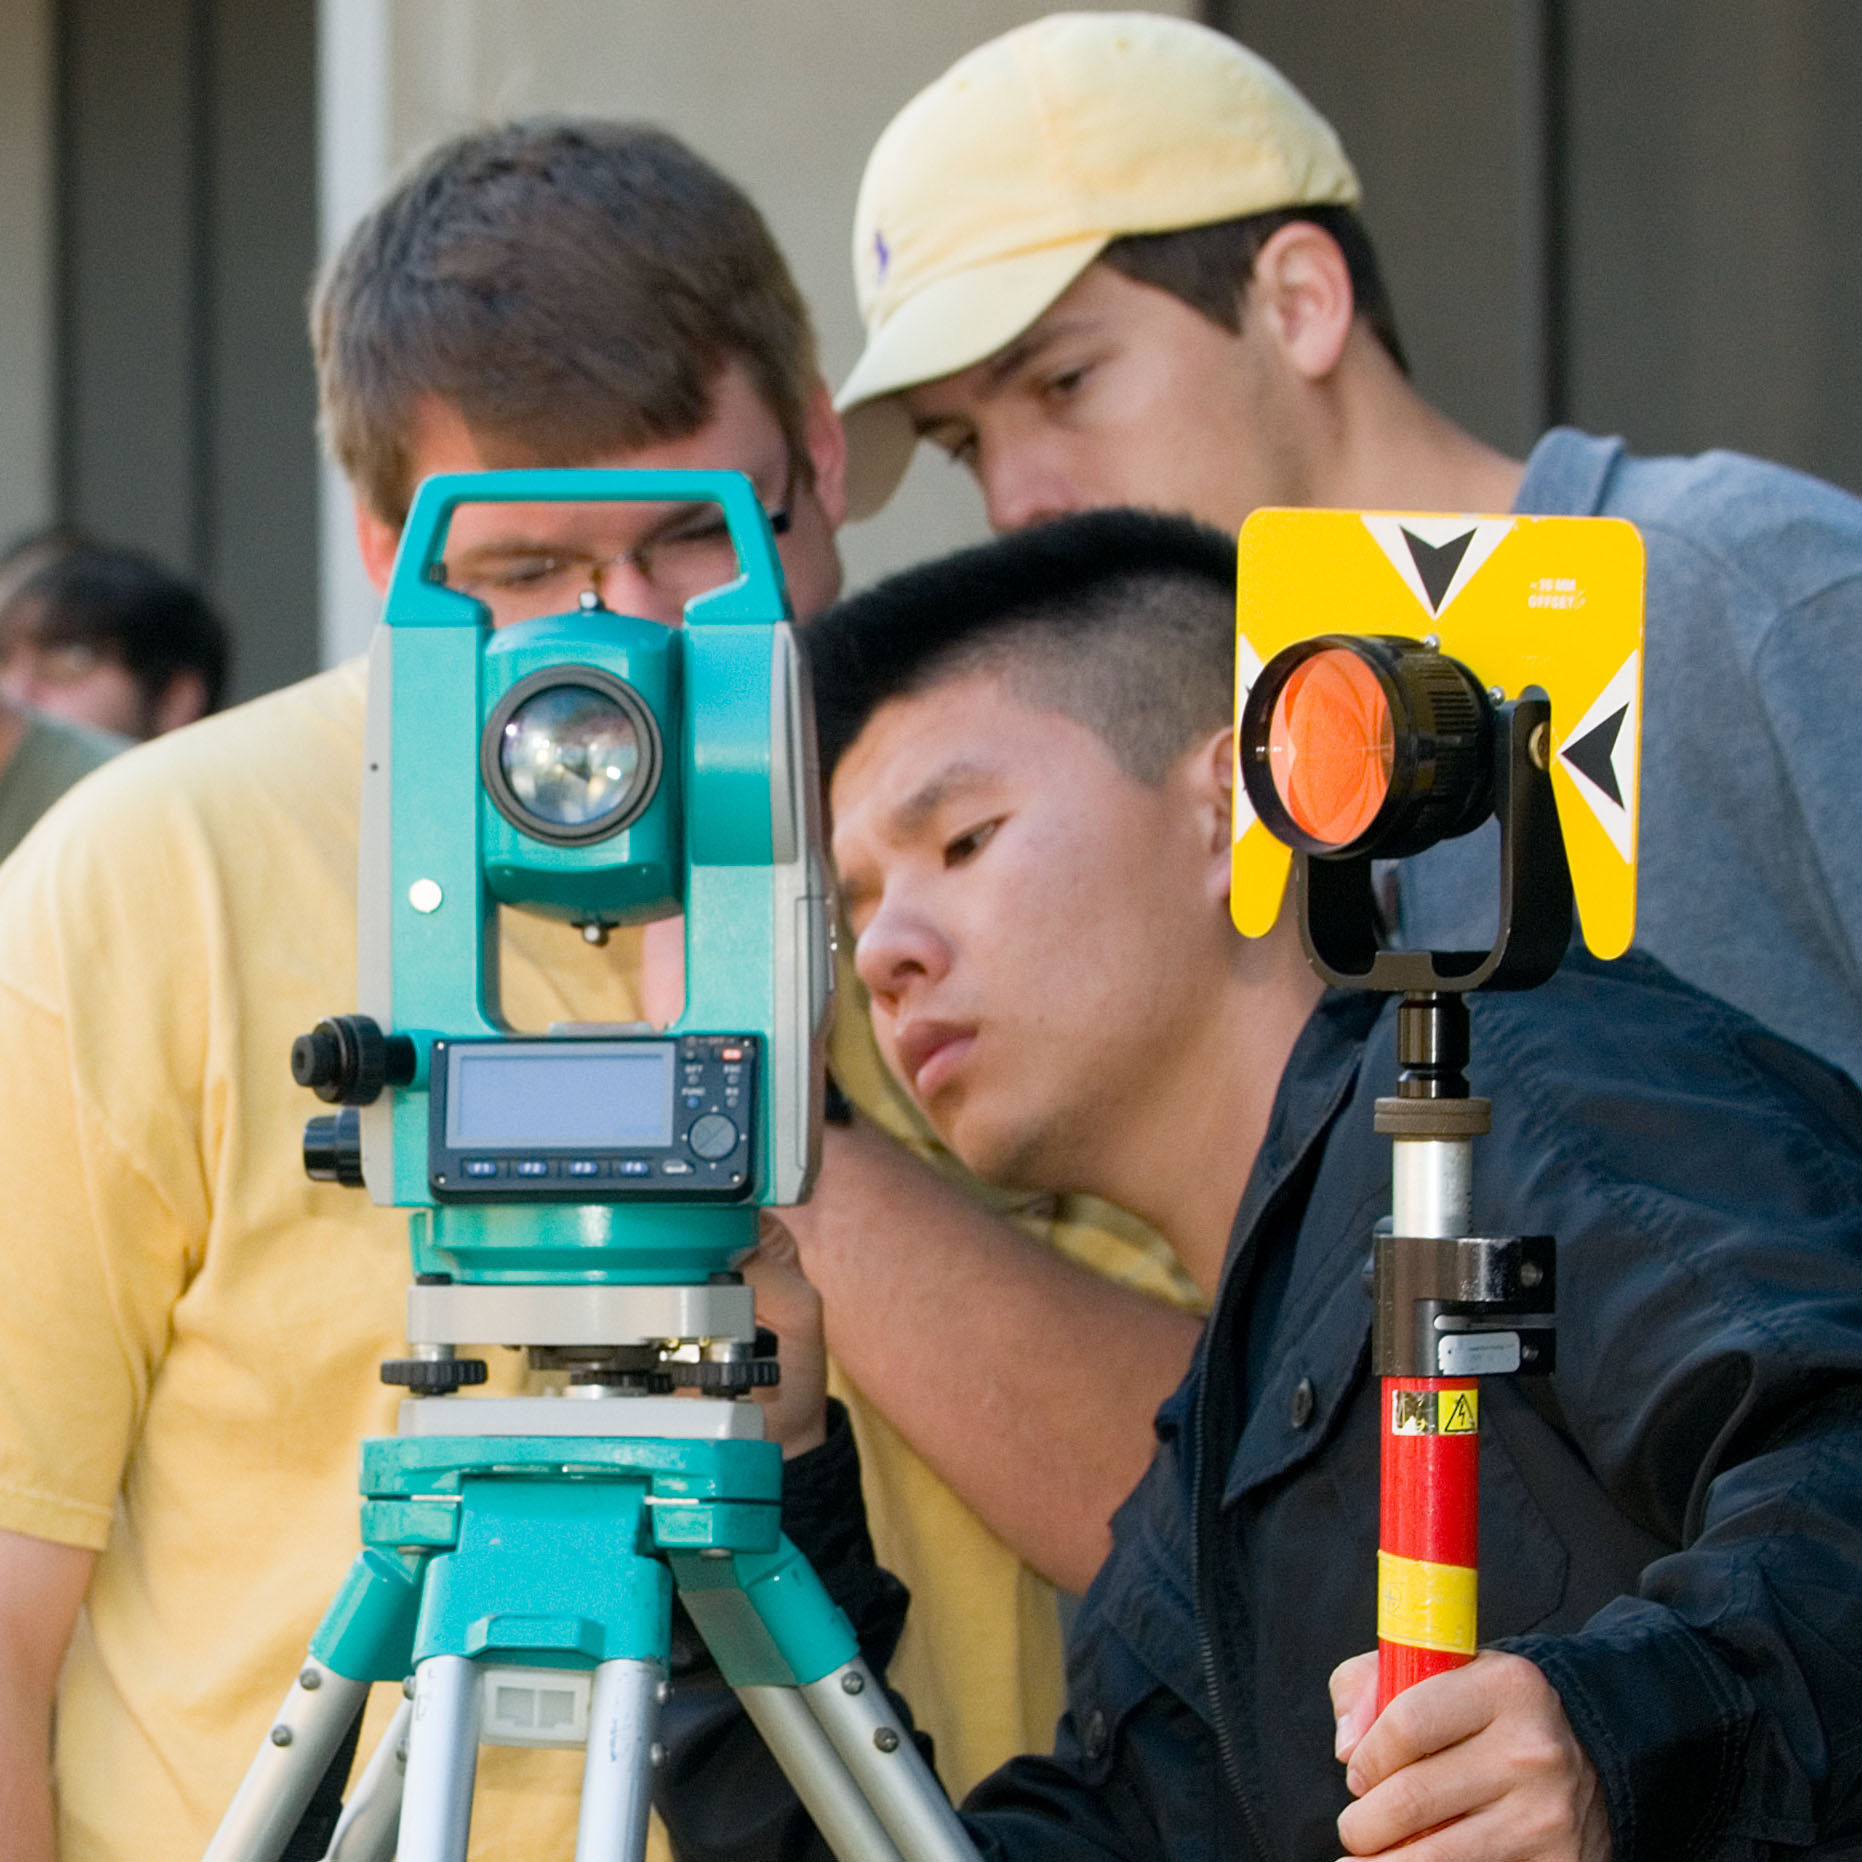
point(346, 1060)
point(333, 1148)
point(434, 1376)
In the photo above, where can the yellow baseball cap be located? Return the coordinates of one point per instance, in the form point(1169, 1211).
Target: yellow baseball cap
point(995, 187)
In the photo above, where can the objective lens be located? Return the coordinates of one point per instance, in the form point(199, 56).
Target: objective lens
point(1330, 746)
point(571, 755)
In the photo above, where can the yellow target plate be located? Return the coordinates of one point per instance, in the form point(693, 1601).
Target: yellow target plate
point(1551, 602)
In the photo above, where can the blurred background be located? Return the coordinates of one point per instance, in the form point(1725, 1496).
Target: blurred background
point(1638, 215)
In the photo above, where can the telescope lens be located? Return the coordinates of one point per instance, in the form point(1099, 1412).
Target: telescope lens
point(1331, 745)
point(571, 755)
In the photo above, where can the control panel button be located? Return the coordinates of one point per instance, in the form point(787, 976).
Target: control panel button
point(583, 1167)
point(675, 1167)
point(712, 1136)
point(481, 1166)
point(532, 1167)
point(634, 1167)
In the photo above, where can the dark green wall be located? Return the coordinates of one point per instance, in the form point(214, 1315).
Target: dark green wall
point(1695, 277)
point(187, 234)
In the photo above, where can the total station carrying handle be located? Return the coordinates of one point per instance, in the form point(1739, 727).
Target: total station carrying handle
point(417, 599)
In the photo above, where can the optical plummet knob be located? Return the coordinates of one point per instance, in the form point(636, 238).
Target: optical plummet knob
point(434, 1376)
point(333, 1148)
point(346, 1060)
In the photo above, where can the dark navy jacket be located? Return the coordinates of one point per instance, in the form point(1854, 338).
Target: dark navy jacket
point(1671, 1525)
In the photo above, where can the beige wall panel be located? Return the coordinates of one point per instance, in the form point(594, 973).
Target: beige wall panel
point(786, 96)
point(26, 293)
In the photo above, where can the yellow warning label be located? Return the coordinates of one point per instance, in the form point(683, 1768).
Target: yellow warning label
point(1435, 1412)
point(1548, 602)
point(1425, 1606)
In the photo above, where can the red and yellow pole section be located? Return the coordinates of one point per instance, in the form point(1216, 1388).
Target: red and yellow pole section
point(1428, 1542)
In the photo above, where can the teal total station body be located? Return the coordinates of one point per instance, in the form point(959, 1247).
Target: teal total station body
point(726, 836)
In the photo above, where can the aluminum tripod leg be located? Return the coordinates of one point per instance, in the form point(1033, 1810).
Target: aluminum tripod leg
point(812, 1766)
point(371, 1820)
point(442, 1761)
point(281, 1781)
point(617, 1789)
point(854, 1712)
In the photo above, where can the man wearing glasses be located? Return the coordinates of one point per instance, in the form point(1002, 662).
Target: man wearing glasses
point(190, 1337)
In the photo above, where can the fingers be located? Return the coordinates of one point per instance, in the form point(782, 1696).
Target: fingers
point(1353, 1687)
point(774, 1242)
point(794, 1411)
point(1425, 1718)
point(1479, 1765)
point(1502, 1831)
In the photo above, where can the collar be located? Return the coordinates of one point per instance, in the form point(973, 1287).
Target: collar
point(1568, 475)
point(1318, 1075)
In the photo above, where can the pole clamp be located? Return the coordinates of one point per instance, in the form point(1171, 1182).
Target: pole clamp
point(1476, 1306)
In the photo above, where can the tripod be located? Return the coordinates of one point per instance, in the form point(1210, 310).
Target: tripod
point(518, 1564)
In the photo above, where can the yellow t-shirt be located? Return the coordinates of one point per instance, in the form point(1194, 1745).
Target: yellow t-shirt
point(191, 1330)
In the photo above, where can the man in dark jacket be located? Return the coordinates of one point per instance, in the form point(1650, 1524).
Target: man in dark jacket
point(1036, 867)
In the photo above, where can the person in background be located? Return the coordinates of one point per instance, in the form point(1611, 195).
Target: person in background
point(110, 639)
point(41, 756)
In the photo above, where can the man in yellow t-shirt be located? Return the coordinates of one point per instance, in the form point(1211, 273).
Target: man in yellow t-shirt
point(191, 1330)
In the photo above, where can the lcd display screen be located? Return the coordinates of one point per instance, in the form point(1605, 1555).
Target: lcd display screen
point(560, 1096)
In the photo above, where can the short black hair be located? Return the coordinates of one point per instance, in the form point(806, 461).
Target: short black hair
point(1209, 267)
point(128, 608)
point(1121, 620)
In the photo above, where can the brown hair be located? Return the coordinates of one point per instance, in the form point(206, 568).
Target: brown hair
point(1209, 267)
point(572, 286)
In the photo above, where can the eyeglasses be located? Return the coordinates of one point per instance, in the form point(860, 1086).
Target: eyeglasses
point(688, 558)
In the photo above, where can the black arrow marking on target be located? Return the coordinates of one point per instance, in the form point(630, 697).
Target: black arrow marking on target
point(1436, 563)
point(1592, 752)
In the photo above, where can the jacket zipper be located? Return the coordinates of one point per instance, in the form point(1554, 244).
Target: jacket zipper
point(1205, 1640)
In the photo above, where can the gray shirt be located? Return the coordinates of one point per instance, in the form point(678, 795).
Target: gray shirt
point(1751, 815)
point(51, 755)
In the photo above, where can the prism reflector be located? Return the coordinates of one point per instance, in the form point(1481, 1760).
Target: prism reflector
point(1330, 746)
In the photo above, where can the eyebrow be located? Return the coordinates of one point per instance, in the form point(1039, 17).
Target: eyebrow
point(1020, 353)
point(954, 779)
point(1002, 368)
point(506, 548)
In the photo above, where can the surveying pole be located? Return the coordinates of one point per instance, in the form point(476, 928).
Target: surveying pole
point(1448, 1312)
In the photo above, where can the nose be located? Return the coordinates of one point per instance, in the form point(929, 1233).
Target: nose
point(898, 952)
point(1022, 487)
point(623, 588)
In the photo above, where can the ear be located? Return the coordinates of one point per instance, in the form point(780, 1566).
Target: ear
point(182, 700)
point(1302, 291)
point(827, 453)
point(1210, 768)
point(378, 540)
